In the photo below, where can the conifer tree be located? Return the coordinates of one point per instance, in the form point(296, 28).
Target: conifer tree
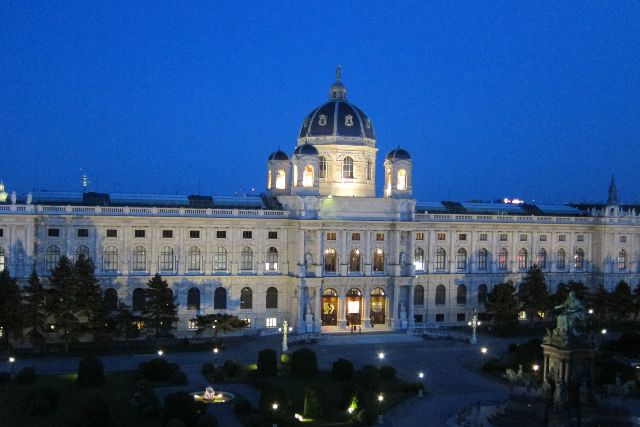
point(636, 301)
point(35, 310)
point(10, 308)
point(534, 294)
point(161, 311)
point(89, 300)
point(64, 306)
point(622, 301)
point(503, 306)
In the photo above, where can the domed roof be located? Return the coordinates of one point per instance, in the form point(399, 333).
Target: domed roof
point(306, 149)
point(399, 154)
point(337, 117)
point(278, 155)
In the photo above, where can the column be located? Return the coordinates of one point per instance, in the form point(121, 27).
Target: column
point(545, 368)
point(567, 366)
point(366, 256)
point(411, 255)
point(317, 314)
point(366, 311)
point(342, 308)
point(396, 302)
point(411, 319)
point(302, 308)
point(301, 256)
point(319, 253)
point(343, 255)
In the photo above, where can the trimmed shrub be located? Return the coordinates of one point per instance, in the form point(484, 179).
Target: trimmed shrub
point(368, 377)
point(39, 407)
point(314, 403)
point(231, 368)
point(26, 376)
point(342, 370)
point(304, 363)
point(182, 406)
point(95, 412)
point(208, 368)
point(387, 372)
point(207, 420)
point(178, 377)
point(629, 344)
point(365, 417)
point(349, 391)
point(242, 406)
point(90, 371)
point(268, 363)
point(218, 377)
point(146, 400)
point(41, 401)
point(5, 377)
point(172, 367)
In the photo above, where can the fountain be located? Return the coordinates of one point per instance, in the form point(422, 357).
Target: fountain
point(212, 396)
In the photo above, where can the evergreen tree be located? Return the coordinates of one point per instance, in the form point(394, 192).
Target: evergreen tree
point(534, 294)
point(64, 306)
point(10, 308)
point(600, 301)
point(161, 311)
point(89, 301)
point(35, 310)
point(503, 306)
point(123, 322)
point(579, 288)
point(636, 301)
point(622, 301)
point(561, 293)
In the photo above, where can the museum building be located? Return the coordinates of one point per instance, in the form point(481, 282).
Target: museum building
point(318, 248)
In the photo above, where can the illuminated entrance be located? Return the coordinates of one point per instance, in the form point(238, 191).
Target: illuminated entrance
point(378, 304)
point(354, 306)
point(329, 307)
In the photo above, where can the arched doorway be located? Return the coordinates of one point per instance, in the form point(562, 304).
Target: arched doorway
point(378, 304)
point(329, 307)
point(354, 307)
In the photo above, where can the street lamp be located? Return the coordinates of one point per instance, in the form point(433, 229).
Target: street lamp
point(604, 331)
point(420, 374)
point(160, 353)
point(483, 350)
point(381, 355)
point(12, 361)
point(215, 350)
point(535, 367)
point(274, 406)
point(474, 323)
point(380, 417)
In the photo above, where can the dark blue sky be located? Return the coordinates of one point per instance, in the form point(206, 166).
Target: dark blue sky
point(539, 100)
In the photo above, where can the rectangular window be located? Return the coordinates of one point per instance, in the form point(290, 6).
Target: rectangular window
point(440, 317)
point(273, 235)
point(561, 238)
point(272, 322)
point(503, 237)
point(221, 234)
point(483, 237)
point(246, 234)
point(441, 236)
point(331, 236)
point(379, 237)
point(54, 232)
point(462, 236)
point(167, 234)
point(419, 236)
point(461, 317)
point(580, 237)
point(193, 324)
point(523, 237)
point(417, 318)
point(140, 234)
point(623, 239)
point(543, 237)
point(112, 232)
point(355, 236)
point(83, 232)
point(194, 234)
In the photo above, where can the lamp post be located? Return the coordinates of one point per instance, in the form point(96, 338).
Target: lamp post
point(285, 334)
point(12, 361)
point(420, 390)
point(274, 406)
point(380, 416)
point(474, 323)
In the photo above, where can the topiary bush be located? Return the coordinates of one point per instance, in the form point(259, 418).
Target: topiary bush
point(256, 420)
point(231, 368)
point(368, 377)
point(175, 422)
point(90, 372)
point(26, 376)
point(207, 420)
point(182, 406)
point(41, 401)
point(5, 377)
point(268, 363)
point(94, 412)
point(342, 370)
point(208, 368)
point(242, 406)
point(304, 363)
point(314, 402)
point(387, 372)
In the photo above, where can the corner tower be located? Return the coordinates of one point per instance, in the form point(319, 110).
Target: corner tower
point(346, 144)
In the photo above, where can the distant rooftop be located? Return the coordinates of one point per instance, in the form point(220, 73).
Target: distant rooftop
point(478, 208)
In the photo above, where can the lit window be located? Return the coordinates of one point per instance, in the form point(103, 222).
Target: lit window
point(419, 236)
point(295, 175)
point(3, 259)
point(541, 260)
point(502, 259)
point(272, 322)
point(355, 236)
point(347, 167)
point(378, 260)
point(418, 260)
point(272, 259)
point(522, 315)
point(522, 259)
point(379, 237)
point(269, 179)
point(622, 259)
point(402, 180)
point(354, 260)
point(441, 236)
point(193, 324)
point(307, 176)
point(387, 182)
point(331, 236)
point(281, 180)
point(330, 260)
point(578, 259)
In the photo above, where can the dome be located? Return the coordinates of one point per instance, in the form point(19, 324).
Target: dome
point(306, 149)
point(398, 154)
point(337, 118)
point(278, 155)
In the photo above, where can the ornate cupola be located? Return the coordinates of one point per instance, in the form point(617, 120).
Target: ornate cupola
point(398, 174)
point(3, 194)
point(305, 163)
point(278, 169)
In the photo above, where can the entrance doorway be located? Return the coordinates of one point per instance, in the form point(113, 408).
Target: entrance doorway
point(354, 307)
point(378, 304)
point(329, 307)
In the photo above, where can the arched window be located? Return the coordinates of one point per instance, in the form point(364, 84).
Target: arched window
point(441, 259)
point(402, 180)
point(111, 299)
point(541, 260)
point(220, 299)
point(220, 259)
point(246, 298)
point(138, 300)
point(561, 259)
point(378, 260)
point(330, 260)
point(139, 259)
point(483, 259)
point(110, 259)
point(522, 259)
point(166, 259)
point(418, 295)
point(579, 259)
point(51, 257)
point(622, 259)
point(307, 176)
point(82, 252)
point(272, 259)
point(193, 259)
point(322, 173)
point(269, 179)
point(461, 259)
point(3, 259)
point(502, 259)
point(281, 180)
point(347, 167)
point(193, 299)
point(461, 295)
point(246, 259)
point(272, 298)
point(482, 294)
point(354, 260)
point(418, 259)
point(441, 295)
point(387, 182)
point(369, 170)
